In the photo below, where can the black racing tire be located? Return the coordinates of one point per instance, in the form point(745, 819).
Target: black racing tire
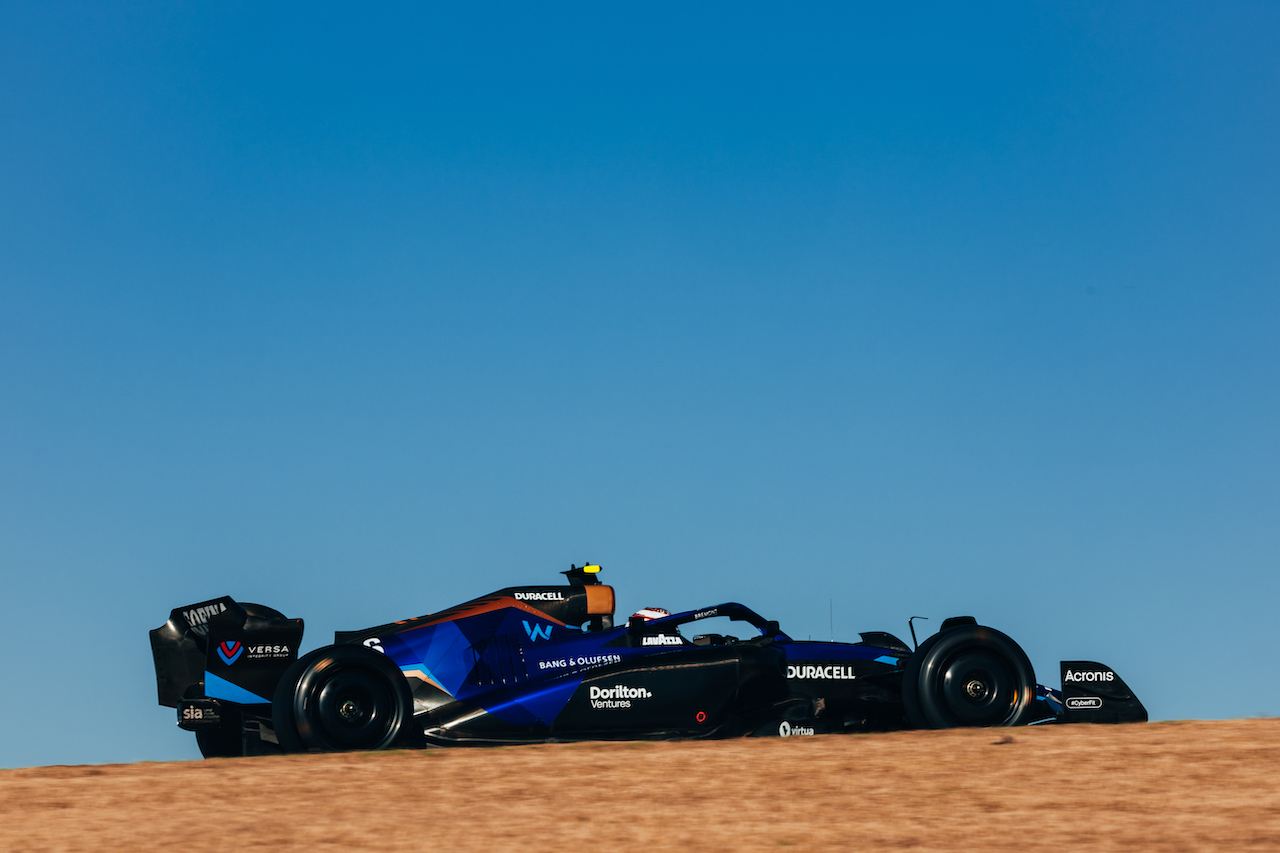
point(342, 698)
point(968, 676)
point(227, 740)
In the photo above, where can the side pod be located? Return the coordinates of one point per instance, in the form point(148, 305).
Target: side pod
point(1093, 693)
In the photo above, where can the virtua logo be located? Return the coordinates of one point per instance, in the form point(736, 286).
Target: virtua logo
point(537, 632)
point(662, 640)
point(785, 729)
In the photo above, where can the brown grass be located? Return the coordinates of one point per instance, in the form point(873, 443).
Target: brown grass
point(1195, 786)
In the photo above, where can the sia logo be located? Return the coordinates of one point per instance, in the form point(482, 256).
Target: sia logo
point(230, 651)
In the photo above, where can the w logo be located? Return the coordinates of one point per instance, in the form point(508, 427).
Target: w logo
point(230, 651)
point(537, 632)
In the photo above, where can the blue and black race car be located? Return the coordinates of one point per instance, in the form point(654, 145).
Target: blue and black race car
point(538, 663)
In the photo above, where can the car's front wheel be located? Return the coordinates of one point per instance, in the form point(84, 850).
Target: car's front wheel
point(967, 676)
point(342, 698)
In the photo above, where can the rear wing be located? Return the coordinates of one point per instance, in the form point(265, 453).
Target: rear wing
point(223, 649)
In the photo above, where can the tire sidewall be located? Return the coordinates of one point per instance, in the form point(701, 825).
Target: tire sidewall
point(921, 691)
point(282, 720)
point(293, 704)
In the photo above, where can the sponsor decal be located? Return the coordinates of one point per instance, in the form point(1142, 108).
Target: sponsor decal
point(536, 631)
point(374, 643)
point(268, 652)
point(595, 660)
point(1089, 675)
point(539, 596)
point(835, 672)
point(662, 640)
point(703, 614)
point(1082, 703)
point(619, 696)
point(785, 729)
point(198, 617)
point(583, 662)
point(230, 651)
point(201, 714)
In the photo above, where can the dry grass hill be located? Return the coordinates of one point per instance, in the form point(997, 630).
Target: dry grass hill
point(1194, 786)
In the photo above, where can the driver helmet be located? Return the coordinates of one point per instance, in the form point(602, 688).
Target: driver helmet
point(650, 613)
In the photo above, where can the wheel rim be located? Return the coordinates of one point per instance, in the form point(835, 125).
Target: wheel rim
point(979, 689)
point(355, 709)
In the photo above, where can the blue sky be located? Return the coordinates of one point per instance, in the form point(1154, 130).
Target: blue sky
point(872, 312)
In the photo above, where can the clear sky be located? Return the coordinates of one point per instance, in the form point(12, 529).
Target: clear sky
point(848, 312)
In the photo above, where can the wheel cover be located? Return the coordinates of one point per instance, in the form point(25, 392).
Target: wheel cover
point(979, 688)
point(353, 709)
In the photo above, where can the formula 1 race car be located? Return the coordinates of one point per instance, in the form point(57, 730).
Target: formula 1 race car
point(538, 663)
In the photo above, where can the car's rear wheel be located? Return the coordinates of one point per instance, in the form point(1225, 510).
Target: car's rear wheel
point(342, 698)
point(967, 676)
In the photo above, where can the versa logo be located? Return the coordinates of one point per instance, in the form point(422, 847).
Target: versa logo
point(537, 632)
point(230, 651)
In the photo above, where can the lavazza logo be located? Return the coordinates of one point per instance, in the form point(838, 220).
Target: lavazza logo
point(604, 698)
point(662, 640)
point(1089, 675)
point(539, 596)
